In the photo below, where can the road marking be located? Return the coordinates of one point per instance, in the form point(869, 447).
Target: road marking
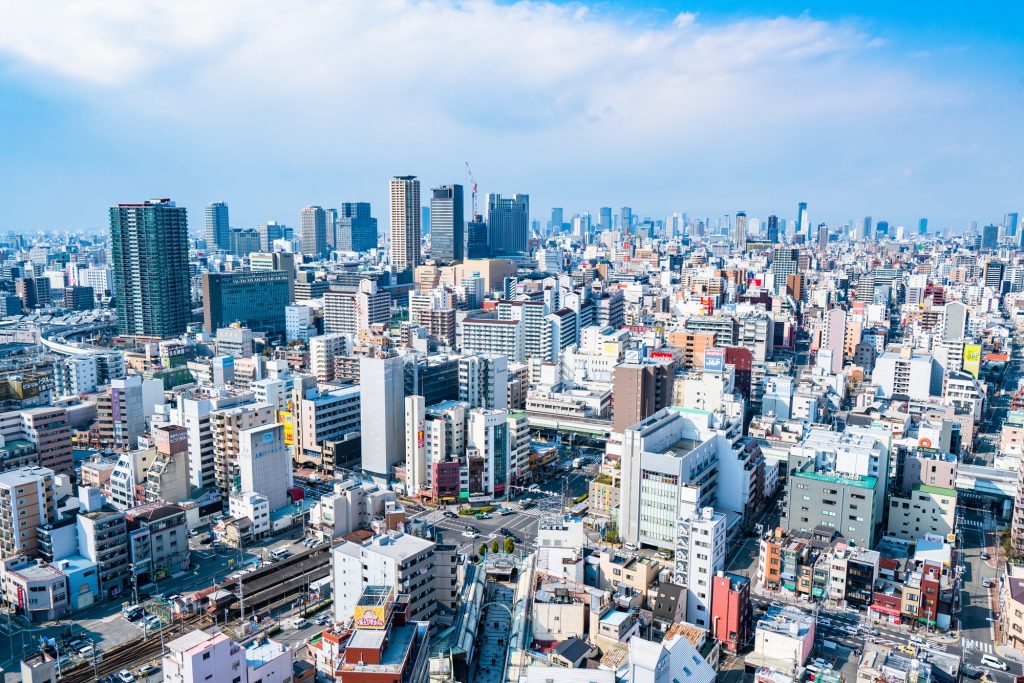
point(980, 646)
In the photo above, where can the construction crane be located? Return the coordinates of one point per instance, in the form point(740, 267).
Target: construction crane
point(472, 181)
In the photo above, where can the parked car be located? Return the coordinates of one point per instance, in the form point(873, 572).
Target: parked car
point(125, 676)
point(149, 670)
point(89, 652)
point(134, 613)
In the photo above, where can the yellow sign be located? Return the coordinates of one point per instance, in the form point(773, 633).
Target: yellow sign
point(372, 617)
point(286, 419)
point(972, 359)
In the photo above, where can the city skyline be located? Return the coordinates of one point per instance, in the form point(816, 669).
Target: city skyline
point(685, 108)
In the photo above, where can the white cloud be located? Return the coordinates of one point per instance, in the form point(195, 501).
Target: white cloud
point(539, 89)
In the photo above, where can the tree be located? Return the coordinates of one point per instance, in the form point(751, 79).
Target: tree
point(494, 546)
point(510, 546)
point(483, 549)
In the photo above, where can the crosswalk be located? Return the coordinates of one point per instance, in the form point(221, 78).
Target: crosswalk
point(972, 523)
point(984, 648)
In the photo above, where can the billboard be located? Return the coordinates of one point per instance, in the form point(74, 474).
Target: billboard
point(714, 360)
point(371, 617)
point(286, 419)
point(972, 359)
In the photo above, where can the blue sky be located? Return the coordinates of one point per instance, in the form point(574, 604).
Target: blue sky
point(896, 110)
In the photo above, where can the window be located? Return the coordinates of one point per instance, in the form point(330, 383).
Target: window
point(206, 655)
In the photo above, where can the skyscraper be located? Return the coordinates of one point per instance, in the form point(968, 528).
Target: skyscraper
point(626, 219)
point(1010, 222)
point(990, 237)
point(313, 231)
point(922, 226)
point(217, 236)
point(448, 219)
point(331, 227)
point(149, 247)
point(822, 236)
point(357, 229)
point(606, 217)
point(382, 413)
point(882, 229)
point(508, 224)
point(557, 216)
point(773, 229)
point(405, 222)
point(802, 222)
point(739, 231)
point(476, 239)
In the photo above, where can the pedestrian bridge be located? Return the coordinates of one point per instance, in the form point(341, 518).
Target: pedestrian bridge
point(986, 481)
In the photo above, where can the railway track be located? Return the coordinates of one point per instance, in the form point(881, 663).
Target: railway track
point(132, 653)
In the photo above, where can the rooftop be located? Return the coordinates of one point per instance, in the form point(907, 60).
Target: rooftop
point(258, 654)
point(859, 482)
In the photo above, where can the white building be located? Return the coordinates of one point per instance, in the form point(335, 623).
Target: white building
point(265, 463)
point(322, 351)
point(267, 661)
point(298, 323)
point(489, 335)
point(254, 506)
point(673, 661)
point(200, 657)
point(400, 561)
point(560, 549)
point(784, 636)
point(484, 380)
point(382, 414)
point(487, 437)
point(700, 554)
point(907, 374)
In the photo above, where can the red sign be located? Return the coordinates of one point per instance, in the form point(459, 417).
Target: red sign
point(419, 439)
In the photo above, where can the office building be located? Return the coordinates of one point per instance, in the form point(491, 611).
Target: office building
point(773, 229)
point(405, 222)
point(298, 323)
point(357, 229)
point(284, 262)
point(922, 226)
point(907, 374)
point(149, 249)
point(313, 231)
point(264, 464)
point(990, 237)
point(28, 500)
point(322, 418)
point(489, 335)
point(243, 241)
point(254, 299)
point(270, 232)
point(382, 414)
point(476, 239)
point(640, 390)
point(157, 541)
point(508, 224)
point(484, 381)
point(34, 292)
point(217, 227)
point(349, 311)
point(226, 427)
point(803, 225)
point(448, 224)
point(739, 231)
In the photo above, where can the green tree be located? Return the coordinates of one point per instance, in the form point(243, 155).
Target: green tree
point(510, 546)
point(483, 550)
point(494, 546)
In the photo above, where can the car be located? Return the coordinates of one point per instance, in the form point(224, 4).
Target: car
point(75, 645)
point(89, 651)
point(470, 534)
point(908, 650)
point(986, 556)
point(986, 583)
point(473, 527)
point(917, 640)
point(527, 504)
point(482, 515)
point(323, 619)
point(298, 623)
point(993, 663)
point(534, 488)
point(450, 515)
point(505, 512)
point(149, 670)
point(134, 614)
point(125, 676)
point(504, 532)
point(971, 672)
point(152, 621)
point(513, 538)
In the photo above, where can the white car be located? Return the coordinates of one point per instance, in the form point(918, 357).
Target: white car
point(470, 534)
point(993, 663)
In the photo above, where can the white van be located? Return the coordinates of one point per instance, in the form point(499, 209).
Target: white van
point(993, 663)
